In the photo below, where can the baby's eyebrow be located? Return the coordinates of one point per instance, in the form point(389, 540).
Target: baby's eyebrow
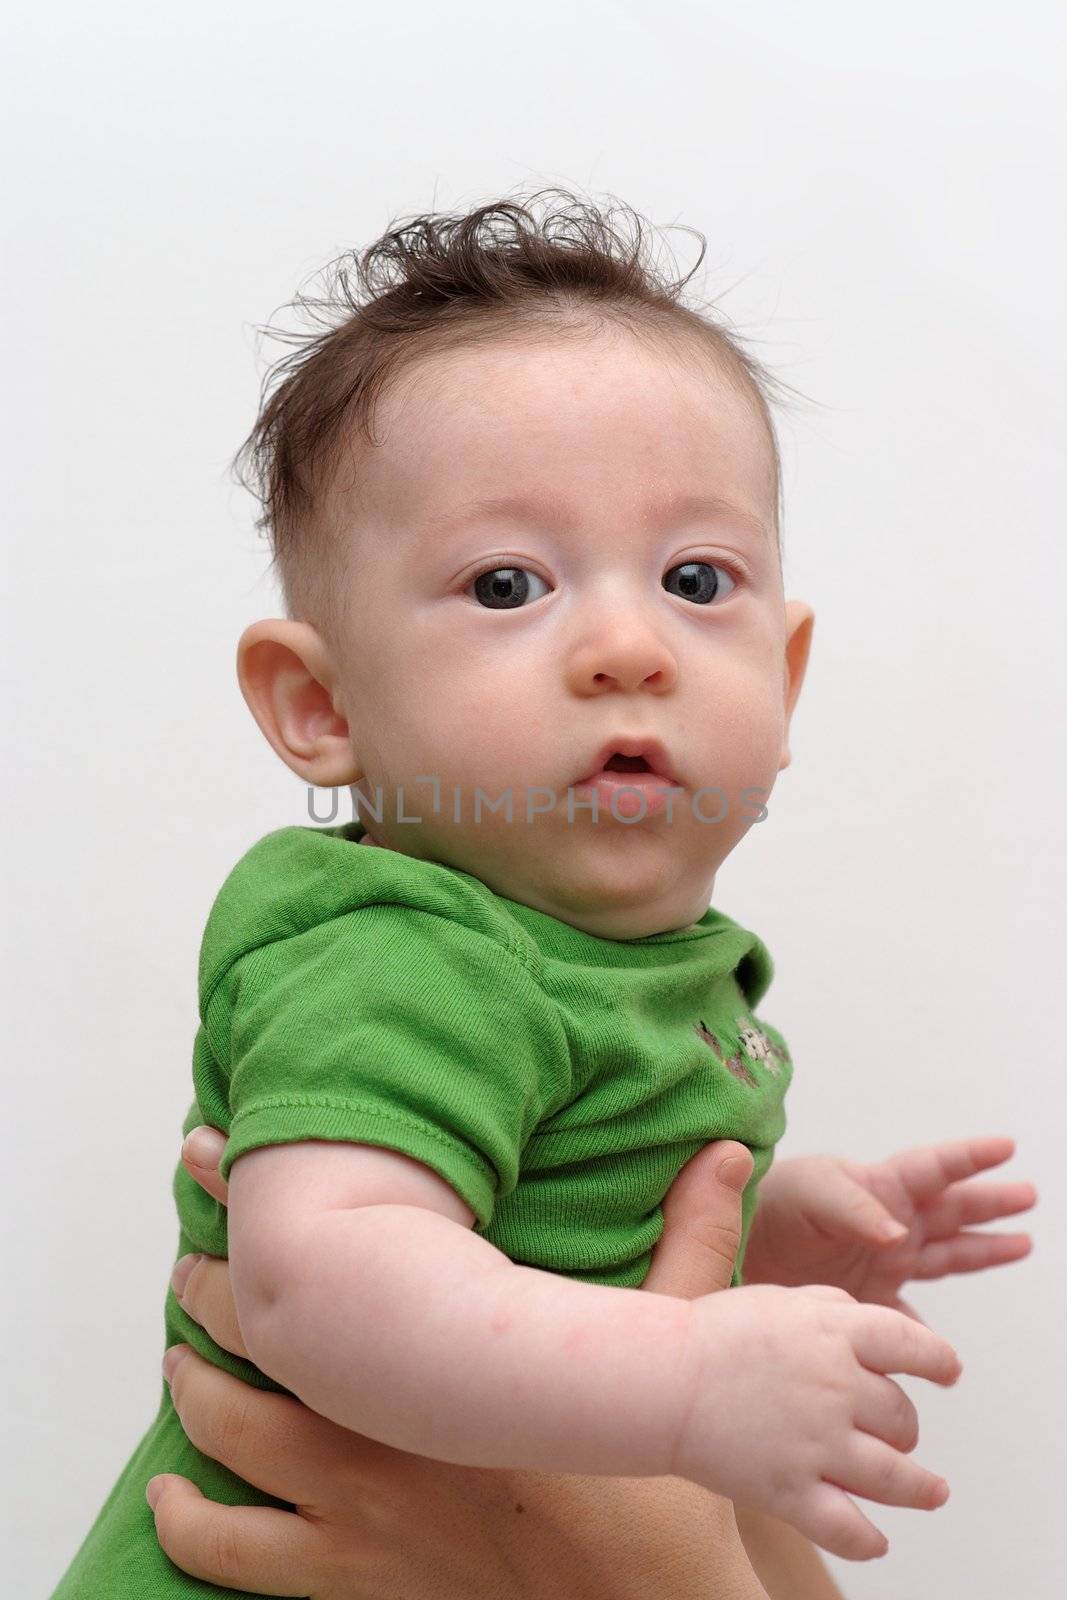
point(551, 509)
point(520, 508)
point(703, 505)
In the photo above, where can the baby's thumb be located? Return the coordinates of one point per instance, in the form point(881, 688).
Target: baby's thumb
point(702, 1223)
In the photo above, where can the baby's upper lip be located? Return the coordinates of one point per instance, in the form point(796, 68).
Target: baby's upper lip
point(653, 750)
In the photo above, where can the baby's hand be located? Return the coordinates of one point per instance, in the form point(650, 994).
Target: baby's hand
point(791, 1408)
point(822, 1219)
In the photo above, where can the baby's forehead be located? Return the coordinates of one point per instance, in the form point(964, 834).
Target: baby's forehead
point(541, 363)
point(589, 415)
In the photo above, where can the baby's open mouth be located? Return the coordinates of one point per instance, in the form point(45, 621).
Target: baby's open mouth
point(626, 764)
point(630, 786)
point(632, 756)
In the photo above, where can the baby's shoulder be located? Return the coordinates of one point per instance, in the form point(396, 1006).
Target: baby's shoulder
point(298, 879)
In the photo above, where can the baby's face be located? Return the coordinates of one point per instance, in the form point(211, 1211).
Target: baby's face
point(591, 471)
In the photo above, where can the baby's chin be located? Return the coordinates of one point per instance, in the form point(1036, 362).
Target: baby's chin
point(612, 894)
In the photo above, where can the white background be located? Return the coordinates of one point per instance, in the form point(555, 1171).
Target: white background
point(882, 194)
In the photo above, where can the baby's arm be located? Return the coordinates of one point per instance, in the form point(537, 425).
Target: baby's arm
point(360, 1287)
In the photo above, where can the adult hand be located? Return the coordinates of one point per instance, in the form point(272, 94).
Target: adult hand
point(372, 1521)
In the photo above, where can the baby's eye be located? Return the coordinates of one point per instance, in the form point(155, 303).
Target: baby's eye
point(506, 588)
point(697, 581)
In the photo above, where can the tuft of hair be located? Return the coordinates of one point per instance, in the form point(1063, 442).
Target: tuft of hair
point(552, 264)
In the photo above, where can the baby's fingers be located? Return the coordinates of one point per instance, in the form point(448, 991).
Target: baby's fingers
point(872, 1468)
point(202, 1286)
point(887, 1341)
point(882, 1408)
point(240, 1547)
point(835, 1523)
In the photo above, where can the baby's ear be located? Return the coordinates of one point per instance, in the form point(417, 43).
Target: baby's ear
point(287, 679)
point(799, 622)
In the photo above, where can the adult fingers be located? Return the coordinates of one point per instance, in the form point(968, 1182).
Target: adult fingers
point(270, 1440)
point(701, 1223)
point(202, 1286)
point(201, 1153)
point(239, 1547)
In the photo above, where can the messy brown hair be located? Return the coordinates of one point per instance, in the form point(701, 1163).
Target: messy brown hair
point(555, 264)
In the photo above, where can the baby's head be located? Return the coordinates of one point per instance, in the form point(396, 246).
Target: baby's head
point(524, 509)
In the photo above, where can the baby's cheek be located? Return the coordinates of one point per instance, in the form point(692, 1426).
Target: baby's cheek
point(752, 730)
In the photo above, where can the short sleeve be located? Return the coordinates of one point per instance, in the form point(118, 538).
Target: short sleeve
point(396, 1027)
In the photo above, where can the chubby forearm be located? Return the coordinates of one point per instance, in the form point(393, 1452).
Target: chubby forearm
point(400, 1324)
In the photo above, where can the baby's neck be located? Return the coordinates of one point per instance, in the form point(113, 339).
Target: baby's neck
point(366, 839)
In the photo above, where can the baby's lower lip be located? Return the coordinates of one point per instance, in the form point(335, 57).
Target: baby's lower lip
point(650, 799)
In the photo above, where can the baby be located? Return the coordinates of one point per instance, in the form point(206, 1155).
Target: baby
point(524, 504)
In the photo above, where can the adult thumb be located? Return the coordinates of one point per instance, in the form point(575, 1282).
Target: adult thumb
point(702, 1223)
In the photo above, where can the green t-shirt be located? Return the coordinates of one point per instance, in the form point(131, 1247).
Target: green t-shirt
point(557, 1080)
